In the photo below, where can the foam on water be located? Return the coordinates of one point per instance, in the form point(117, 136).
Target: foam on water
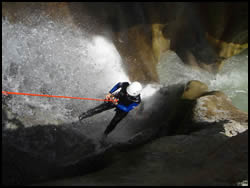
point(232, 79)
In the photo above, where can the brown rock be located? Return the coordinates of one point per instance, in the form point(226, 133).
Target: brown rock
point(194, 89)
point(216, 106)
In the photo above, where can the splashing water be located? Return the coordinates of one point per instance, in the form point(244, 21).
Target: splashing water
point(149, 90)
point(56, 59)
point(232, 79)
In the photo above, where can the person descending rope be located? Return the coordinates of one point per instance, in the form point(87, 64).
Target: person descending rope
point(124, 101)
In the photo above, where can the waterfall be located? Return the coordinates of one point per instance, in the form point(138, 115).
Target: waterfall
point(56, 59)
point(232, 79)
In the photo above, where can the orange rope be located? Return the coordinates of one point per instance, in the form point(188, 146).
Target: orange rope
point(15, 93)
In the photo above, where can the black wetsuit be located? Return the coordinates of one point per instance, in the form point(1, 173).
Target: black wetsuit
point(125, 104)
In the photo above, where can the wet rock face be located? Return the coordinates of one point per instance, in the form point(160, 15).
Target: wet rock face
point(206, 157)
point(42, 152)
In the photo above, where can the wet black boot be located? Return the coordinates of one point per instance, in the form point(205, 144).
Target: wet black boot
point(84, 115)
point(96, 110)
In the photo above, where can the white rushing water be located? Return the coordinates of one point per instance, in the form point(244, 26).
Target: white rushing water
point(232, 79)
point(56, 59)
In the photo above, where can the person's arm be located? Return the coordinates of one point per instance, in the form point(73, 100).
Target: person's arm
point(127, 108)
point(117, 86)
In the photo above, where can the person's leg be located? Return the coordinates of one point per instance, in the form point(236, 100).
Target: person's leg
point(96, 110)
point(116, 119)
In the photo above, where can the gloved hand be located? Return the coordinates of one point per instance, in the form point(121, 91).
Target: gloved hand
point(115, 101)
point(108, 96)
point(111, 97)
